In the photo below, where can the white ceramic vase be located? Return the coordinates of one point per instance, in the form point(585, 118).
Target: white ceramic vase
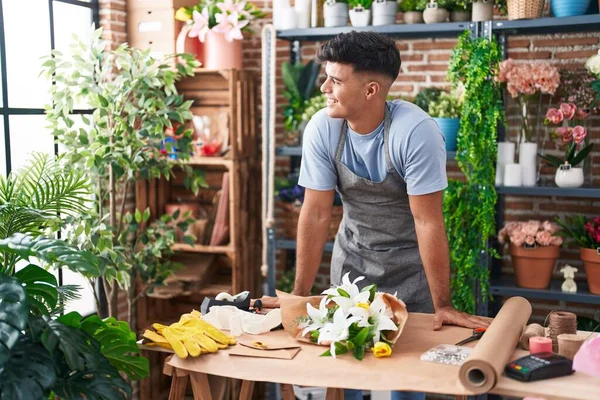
point(335, 14)
point(483, 10)
point(434, 14)
point(568, 177)
point(360, 16)
point(384, 12)
point(528, 161)
point(413, 17)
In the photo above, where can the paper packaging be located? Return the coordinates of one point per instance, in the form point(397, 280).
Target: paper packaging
point(282, 352)
point(253, 324)
point(481, 371)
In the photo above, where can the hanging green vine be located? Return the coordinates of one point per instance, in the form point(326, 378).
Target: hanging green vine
point(469, 207)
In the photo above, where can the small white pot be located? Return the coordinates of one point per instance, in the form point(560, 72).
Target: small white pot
point(568, 177)
point(433, 14)
point(483, 10)
point(360, 16)
point(413, 17)
point(335, 14)
point(384, 12)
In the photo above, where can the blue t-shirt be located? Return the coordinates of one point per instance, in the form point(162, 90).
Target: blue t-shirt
point(417, 149)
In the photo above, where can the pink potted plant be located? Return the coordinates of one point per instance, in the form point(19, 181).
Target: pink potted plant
point(585, 233)
point(571, 138)
point(534, 248)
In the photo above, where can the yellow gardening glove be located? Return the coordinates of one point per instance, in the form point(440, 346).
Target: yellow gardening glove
point(189, 321)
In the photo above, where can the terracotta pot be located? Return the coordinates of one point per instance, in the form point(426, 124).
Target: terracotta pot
point(533, 267)
point(591, 263)
point(221, 54)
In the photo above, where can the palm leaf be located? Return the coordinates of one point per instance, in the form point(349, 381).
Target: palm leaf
point(14, 314)
point(53, 251)
point(41, 288)
point(29, 374)
point(15, 219)
point(66, 293)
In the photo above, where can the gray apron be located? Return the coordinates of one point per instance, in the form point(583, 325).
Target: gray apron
point(377, 238)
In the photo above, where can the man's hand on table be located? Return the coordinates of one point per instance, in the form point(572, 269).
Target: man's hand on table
point(450, 316)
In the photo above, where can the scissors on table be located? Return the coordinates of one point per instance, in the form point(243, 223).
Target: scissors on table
point(477, 334)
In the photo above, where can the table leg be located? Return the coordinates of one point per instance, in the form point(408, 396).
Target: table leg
point(287, 392)
point(178, 384)
point(200, 386)
point(246, 390)
point(334, 394)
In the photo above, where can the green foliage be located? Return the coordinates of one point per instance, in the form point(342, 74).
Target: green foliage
point(572, 156)
point(300, 85)
point(573, 229)
point(366, 4)
point(426, 96)
point(446, 106)
point(500, 5)
point(134, 99)
point(312, 105)
point(412, 5)
point(459, 5)
point(469, 207)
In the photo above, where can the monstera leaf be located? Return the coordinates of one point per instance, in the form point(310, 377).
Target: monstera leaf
point(41, 288)
point(29, 374)
point(117, 343)
point(14, 314)
point(52, 251)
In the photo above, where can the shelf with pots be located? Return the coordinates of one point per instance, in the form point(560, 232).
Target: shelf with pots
point(506, 287)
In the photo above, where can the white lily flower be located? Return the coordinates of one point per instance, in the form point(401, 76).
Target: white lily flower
point(347, 303)
point(378, 315)
point(318, 318)
point(336, 331)
point(347, 286)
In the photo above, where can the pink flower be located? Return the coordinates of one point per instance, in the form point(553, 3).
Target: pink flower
point(200, 27)
point(596, 221)
point(556, 241)
point(530, 228)
point(234, 6)
point(544, 238)
point(230, 25)
point(518, 238)
point(565, 134)
point(555, 116)
point(582, 114)
point(502, 236)
point(579, 134)
point(512, 227)
point(551, 227)
point(530, 240)
point(568, 110)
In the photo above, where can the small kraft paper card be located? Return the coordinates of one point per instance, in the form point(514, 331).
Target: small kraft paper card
point(264, 350)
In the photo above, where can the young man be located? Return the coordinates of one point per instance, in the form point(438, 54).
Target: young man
point(388, 162)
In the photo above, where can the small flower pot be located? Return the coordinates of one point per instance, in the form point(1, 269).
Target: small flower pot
point(413, 17)
point(569, 8)
point(591, 263)
point(533, 266)
point(360, 16)
point(483, 10)
point(460, 16)
point(384, 12)
point(568, 177)
point(335, 14)
point(450, 128)
point(434, 14)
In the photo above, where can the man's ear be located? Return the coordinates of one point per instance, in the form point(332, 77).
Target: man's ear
point(373, 89)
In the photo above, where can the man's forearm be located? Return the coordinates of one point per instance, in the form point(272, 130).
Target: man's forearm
point(433, 248)
point(312, 235)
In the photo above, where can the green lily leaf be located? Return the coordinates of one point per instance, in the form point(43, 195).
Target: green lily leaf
point(360, 338)
point(14, 314)
point(29, 373)
point(359, 352)
point(343, 293)
point(372, 289)
point(40, 286)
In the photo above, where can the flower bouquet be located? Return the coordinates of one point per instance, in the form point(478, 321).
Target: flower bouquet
point(346, 319)
point(534, 249)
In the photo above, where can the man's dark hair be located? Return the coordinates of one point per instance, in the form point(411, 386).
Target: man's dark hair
point(365, 51)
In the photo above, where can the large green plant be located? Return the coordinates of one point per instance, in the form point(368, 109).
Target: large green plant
point(69, 356)
point(134, 100)
point(300, 86)
point(469, 206)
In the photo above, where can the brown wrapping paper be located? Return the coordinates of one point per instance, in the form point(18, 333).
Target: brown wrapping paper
point(294, 307)
point(482, 370)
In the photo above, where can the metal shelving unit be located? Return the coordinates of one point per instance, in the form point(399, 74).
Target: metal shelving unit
point(507, 287)
point(502, 29)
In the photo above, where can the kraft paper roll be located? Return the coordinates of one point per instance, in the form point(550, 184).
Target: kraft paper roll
point(482, 369)
point(538, 344)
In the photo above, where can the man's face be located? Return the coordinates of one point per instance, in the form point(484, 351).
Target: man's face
point(345, 91)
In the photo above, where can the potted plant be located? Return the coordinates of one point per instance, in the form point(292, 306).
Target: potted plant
point(360, 12)
point(300, 86)
point(572, 138)
point(534, 248)
point(412, 10)
point(460, 10)
point(585, 233)
point(43, 352)
point(123, 141)
point(593, 66)
point(525, 9)
point(435, 12)
point(424, 98)
point(219, 24)
point(384, 12)
point(446, 112)
point(527, 82)
point(569, 8)
point(335, 13)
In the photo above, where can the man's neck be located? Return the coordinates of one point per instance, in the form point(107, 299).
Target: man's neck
point(367, 122)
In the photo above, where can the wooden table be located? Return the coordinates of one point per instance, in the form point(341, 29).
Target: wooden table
point(402, 371)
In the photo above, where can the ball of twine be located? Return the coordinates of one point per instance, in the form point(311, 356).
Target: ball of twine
point(569, 344)
point(560, 322)
point(530, 331)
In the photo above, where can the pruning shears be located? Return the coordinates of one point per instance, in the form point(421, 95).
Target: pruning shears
point(477, 334)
